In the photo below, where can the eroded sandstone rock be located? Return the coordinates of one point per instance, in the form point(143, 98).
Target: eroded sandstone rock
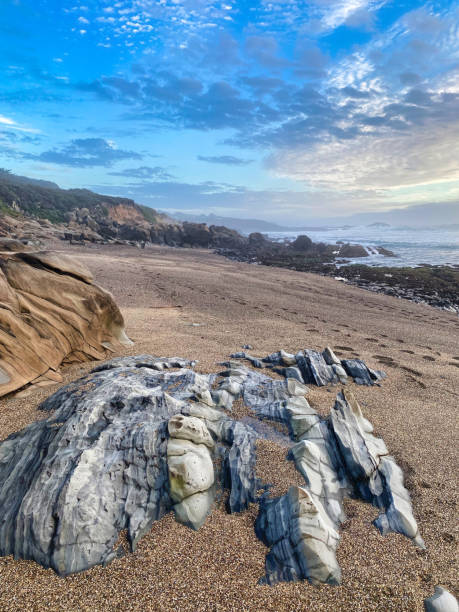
point(51, 312)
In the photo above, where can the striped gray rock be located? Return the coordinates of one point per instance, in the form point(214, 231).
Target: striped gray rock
point(302, 541)
point(339, 456)
point(141, 436)
point(101, 463)
point(317, 368)
point(362, 374)
point(441, 601)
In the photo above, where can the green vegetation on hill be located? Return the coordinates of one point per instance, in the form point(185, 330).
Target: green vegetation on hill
point(46, 200)
point(150, 214)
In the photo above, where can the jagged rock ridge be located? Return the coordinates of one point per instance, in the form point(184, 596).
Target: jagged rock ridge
point(315, 368)
point(141, 436)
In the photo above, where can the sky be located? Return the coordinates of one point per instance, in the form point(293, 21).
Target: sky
point(285, 110)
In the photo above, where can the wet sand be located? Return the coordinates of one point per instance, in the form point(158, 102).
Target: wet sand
point(193, 304)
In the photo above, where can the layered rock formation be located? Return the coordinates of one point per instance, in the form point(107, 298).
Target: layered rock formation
point(51, 312)
point(315, 368)
point(141, 436)
point(123, 446)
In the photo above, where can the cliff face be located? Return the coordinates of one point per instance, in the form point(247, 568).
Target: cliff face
point(126, 213)
point(33, 210)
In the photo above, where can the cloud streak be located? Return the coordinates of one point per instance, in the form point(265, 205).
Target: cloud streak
point(227, 160)
point(85, 153)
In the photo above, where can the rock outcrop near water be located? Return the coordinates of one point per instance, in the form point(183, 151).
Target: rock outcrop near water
point(141, 436)
point(51, 312)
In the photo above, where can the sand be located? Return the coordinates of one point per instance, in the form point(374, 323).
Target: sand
point(194, 304)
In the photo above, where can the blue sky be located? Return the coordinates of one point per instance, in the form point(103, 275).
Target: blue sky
point(283, 109)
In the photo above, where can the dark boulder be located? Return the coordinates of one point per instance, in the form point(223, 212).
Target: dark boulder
point(133, 232)
point(196, 235)
point(302, 243)
point(257, 240)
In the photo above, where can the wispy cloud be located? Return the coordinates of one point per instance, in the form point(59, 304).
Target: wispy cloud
point(11, 124)
point(228, 160)
point(86, 153)
point(145, 173)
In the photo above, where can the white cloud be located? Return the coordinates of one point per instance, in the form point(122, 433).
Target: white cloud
point(337, 13)
point(425, 156)
point(7, 122)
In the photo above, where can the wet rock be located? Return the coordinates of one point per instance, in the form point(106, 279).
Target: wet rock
point(302, 243)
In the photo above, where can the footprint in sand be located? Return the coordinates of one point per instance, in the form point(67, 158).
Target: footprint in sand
point(407, 351)
point(371, 339)
point(411, 371)
point(418, 382)
point(386, 360)
point(428, 358)
point(345, 348)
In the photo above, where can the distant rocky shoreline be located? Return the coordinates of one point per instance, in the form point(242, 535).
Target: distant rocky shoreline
point(437, 286)
point(33, 213)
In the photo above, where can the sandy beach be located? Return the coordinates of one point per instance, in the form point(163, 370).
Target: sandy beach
point(196, 305)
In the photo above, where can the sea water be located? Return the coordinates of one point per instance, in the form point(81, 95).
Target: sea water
point(411, 246)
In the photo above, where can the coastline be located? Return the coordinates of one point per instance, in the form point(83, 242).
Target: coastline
point(436, 286)
point(193, 304)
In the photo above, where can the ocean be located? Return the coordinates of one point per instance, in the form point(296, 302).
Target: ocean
point(412, 246)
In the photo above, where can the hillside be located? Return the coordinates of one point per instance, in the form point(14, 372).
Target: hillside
point(46, 200)
point(34, 210)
